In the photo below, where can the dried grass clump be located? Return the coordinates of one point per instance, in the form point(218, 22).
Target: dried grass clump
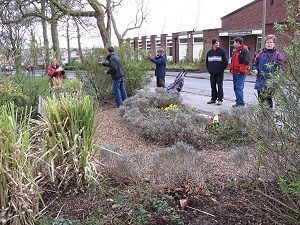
point(179, 166)
point(124, 165)
point(19, 197)
point(147, 116)
point(172, 168)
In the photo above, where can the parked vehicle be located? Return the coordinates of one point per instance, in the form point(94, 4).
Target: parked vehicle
point(6, 68)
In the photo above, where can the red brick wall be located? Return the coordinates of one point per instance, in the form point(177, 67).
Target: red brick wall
point(144, 42)
point(163, 41)
point(153, 45)
point(190, 46)
point(175, 48)
point(208, 36)
point(250, 16)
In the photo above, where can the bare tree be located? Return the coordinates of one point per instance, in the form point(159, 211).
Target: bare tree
point(12, 35)
point(16, 12)
point(105, 19)
point(52, 11)
point(136, 22)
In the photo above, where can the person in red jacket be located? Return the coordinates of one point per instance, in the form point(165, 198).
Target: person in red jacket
point(239, 62)
point(55, 70)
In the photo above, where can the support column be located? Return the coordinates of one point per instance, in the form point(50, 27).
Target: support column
point(163, 41)
point(175, 48)
point(144, 42)
point(190, 46)
point(153, 45)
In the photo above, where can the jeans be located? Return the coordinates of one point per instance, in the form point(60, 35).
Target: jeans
point(119, 90)
point(238, 87)
point(216, 84)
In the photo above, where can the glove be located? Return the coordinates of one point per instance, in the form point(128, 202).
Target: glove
point(254, 72)
point(149, 57)
point(100, 64)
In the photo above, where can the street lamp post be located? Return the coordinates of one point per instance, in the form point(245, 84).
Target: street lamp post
point(263, 23)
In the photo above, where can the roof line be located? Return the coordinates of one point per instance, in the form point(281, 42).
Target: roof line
point(240, 9)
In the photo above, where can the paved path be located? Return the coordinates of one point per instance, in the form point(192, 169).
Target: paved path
point(199, 101)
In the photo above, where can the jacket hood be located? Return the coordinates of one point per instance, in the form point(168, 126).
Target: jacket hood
point(269, 50)
point(110, 54)
point(241, 47)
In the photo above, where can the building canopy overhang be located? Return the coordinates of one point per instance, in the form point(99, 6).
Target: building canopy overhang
point(240, 32)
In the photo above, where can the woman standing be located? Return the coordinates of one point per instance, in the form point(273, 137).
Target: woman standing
point(160, 70)
point(268, 61)
point(54, 70)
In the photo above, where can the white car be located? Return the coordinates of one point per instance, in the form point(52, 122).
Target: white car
point(6, 68)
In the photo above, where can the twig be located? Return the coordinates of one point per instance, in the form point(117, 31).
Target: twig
point(59, 211)
point(201, 211)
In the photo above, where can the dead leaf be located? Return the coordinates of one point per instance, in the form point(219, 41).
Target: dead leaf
point(183, 203)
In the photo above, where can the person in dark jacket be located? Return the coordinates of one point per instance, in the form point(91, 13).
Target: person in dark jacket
point(240, 61)
point(268, 61)
point(160, 70)
point(216, 63)
point(117, 74)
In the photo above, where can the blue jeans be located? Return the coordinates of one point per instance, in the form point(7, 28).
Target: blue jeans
point(119, 90)
point(238, 87)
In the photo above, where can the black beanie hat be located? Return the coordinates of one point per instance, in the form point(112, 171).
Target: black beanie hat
point(111, 49)
point(213, 41)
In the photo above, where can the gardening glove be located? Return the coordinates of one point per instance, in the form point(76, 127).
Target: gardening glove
point(254, 72)
point(149, 57)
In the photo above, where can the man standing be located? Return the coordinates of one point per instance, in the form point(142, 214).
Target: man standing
point(160, 70)
point(216, 63)
point(117, 75)
point(240, 61)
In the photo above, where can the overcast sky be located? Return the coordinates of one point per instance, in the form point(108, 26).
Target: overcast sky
point(170, 16)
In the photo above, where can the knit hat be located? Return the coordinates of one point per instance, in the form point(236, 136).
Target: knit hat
point(110, 49)
point(213, 41)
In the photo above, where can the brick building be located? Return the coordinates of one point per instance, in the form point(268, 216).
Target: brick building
point(245, 22)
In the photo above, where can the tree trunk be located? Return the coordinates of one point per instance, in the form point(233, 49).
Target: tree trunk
point(55, 40)
point(45, 37)
point(99, 15)
point(68, 43)
point(79, 42)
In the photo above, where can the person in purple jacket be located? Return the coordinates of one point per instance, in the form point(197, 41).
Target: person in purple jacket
point(268, 61)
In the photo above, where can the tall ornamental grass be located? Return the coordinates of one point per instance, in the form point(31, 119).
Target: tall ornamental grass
point(18, 191)
point(70, 130)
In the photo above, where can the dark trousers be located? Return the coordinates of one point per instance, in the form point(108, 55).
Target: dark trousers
point(265, 96)
point(160, 82)
point(216, 84)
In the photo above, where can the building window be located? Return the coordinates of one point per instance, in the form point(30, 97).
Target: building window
point(258, 44)
point(198, 39)
point(231, 48)
point(183, 40)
